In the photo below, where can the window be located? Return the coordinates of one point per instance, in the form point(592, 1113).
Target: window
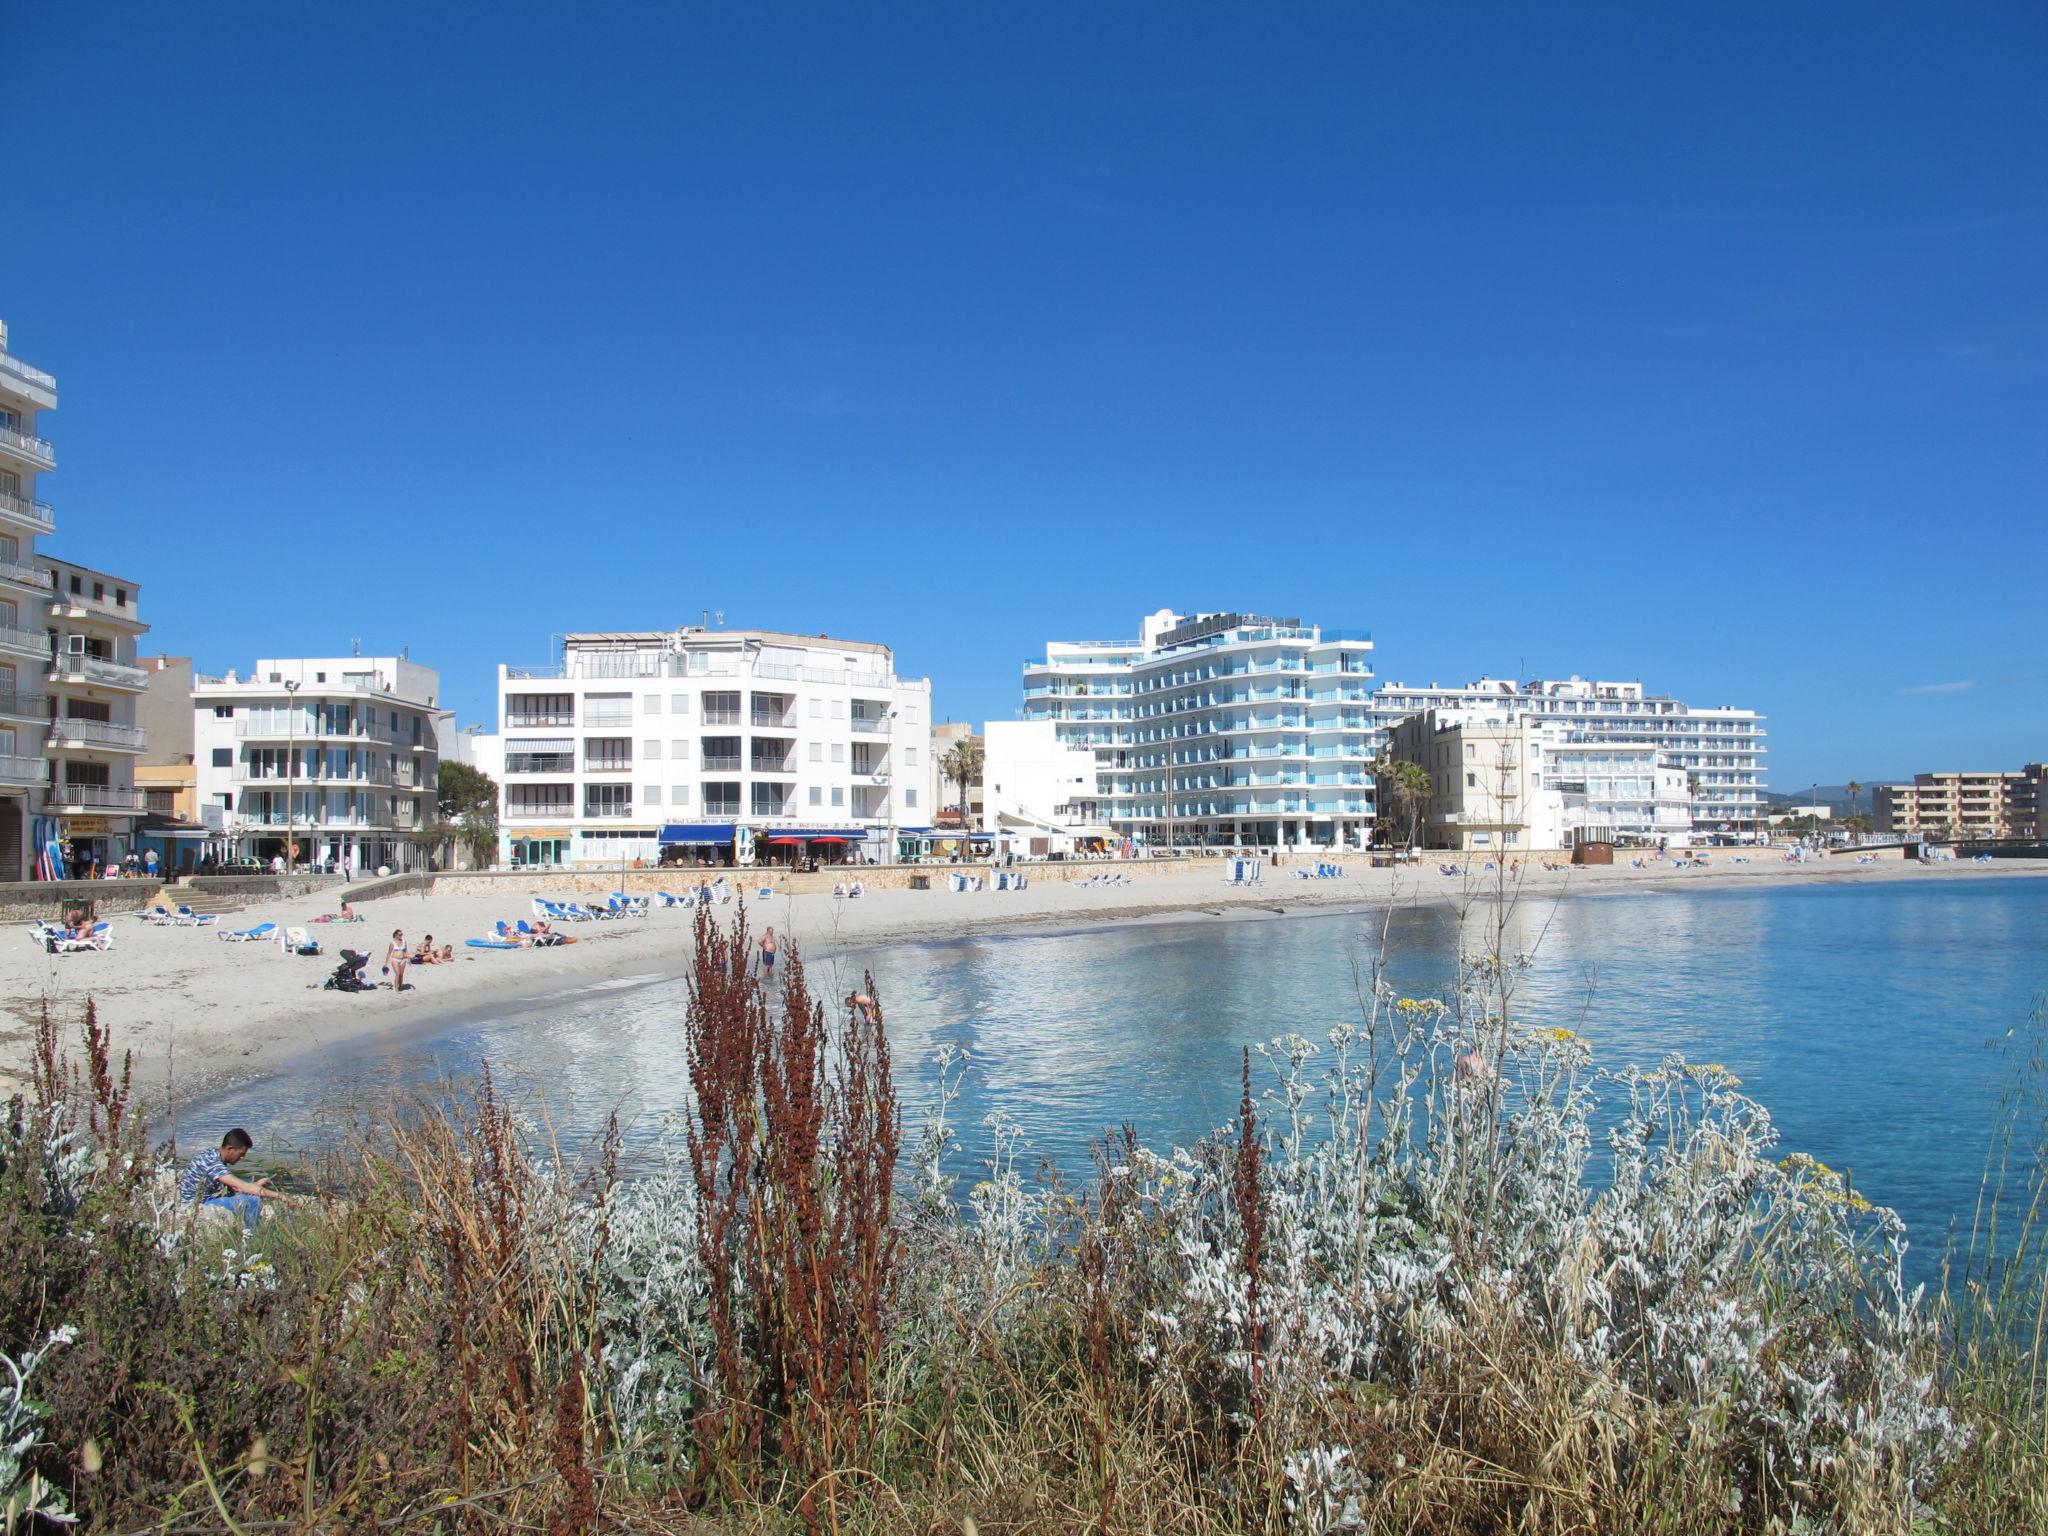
point(161, 802)
point(607, 799)
point(679, 704)
point(817, 751)
point(223, 757)
point(838, 751)
point(607, 708)
point(817, 709)
point(679, 794)
point(839, 709)
point(223, 711)
point(910, 757)
point(1512, 838)
point(721, 799)
point(120, 597)
point(650, 794)
point(77, 586)
point(910, 799)
point(319, 677)
point(99, 591)
point(679, 749)
point(817, 795)
point(1470, 751)
point(650, 704)
point(607, 754)
point(1471, 781)
point(838, 795)
point(1482, 839)
point(650, 750)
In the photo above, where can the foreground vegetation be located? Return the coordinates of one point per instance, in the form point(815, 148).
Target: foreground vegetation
point(1442, 1275)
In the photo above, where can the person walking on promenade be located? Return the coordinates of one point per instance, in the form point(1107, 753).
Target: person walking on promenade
point(149, 863)
point(395, 958)
point(207, 1182)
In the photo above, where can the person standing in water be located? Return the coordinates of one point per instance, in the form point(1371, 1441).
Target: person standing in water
point(768, 952)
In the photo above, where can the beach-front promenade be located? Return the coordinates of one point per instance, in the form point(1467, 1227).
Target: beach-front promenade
point(188, 1004)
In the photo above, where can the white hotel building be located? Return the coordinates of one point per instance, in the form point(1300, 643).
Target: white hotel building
point(711, 745)
point(1220, 729)
point(338, 755)
point(1721, 750)
point(68, 679)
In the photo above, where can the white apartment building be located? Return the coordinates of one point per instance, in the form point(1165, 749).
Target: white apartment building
point(68, 678)
point(1218, 729)
point(337, 757)
point(1720, 750)
point(711, 745)
point(1033, 786)
point(1508, 782)
point(95, 687)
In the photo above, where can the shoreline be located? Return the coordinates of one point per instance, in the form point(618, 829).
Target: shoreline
point(207, 1015)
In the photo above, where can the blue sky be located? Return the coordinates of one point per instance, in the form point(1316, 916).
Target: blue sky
point(1706, 345)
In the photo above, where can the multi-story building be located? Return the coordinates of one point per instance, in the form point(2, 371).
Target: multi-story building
point(68, 679)
point(945, 792)
point(323, 759)
point(1997, 804)
point(710, 744)
point(1507, 781)
point(1221, 729)
point(94, 686)
point(24, 637)
point(1033, 783)
point(1721, 750)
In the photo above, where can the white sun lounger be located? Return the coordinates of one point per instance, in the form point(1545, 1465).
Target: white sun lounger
point(245, 935)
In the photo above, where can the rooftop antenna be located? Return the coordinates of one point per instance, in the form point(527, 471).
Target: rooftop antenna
point(703, 618)
point(355, 645)
point(719, 614)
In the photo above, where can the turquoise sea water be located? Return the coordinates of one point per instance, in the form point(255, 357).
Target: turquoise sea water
point(1877, 1022)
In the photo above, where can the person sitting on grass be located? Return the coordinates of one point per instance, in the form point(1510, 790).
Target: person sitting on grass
point(207, 1182)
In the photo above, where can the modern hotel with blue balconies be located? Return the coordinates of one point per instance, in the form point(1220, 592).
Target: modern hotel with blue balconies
point(1219, 730)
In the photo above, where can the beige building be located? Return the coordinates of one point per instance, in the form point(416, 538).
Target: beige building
point(1963, 806)
point(1485, 776)
point(945, 794)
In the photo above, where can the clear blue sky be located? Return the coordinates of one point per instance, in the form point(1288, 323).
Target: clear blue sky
point(1706, 345)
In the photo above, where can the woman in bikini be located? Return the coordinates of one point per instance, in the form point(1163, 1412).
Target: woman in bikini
point(395, 958)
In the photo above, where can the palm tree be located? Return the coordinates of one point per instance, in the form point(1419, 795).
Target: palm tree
point(1855, 788)
point(962, 765)
point(1404, 796)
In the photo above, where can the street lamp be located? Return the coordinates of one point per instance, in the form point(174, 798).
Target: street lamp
point(889, 795)
point(291, 764)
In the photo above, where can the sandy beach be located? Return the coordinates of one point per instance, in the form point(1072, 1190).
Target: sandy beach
point(185, 1002)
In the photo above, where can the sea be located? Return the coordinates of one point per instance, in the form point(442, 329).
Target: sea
point(1888, 1027)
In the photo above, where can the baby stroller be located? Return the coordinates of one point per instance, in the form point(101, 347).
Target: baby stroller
point(348, 976)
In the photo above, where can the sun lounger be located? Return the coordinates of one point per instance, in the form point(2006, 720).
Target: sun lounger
point(99, 936)
point(297, 941)
point(187, 918)
point(257, 934)
point(493, 944)
point(157, 914)
point(671, 899)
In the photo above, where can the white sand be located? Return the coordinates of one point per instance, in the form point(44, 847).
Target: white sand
point(182, 1000)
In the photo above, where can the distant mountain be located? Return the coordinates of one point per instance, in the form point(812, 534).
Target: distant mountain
point(1834, 796)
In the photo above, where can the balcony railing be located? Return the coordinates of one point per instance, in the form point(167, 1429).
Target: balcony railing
point(721, 764)
point(25, 706)
point(561, 764)
point(23, 770)
point(608, 765)
point(540, 810)
point(70, 731)
point(34, 449)
point(869, 727)
point(92, 669)
point(18, 639)
point(95, 797)
point(773, 765)
point(775, 719)
point(27, 575)
point(21, 370)
point(604, 808)
point(540, 718)
point(721, 717)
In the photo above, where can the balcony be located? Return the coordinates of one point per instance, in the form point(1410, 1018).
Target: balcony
point(868, 727)
point(772, 765)
point(608, 765)
point(308, 730)
point(32, 450)
point(23, 770)
point(34, 378)
point(720, 716)
point(95, 735)
point(528, 719)
point(25, 706)
point(723, 763)
point(66, 798)
point(540, 810)
point(24, 575)
point(602, 809)
point(559, 765)
point(24, 642)
point(84, 605)
point(95, 670)
point(774, 719)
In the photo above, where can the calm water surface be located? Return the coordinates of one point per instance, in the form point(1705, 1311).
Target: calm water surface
point(1872, 1020)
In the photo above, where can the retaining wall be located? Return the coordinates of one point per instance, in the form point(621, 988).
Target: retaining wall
point(875, 877)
